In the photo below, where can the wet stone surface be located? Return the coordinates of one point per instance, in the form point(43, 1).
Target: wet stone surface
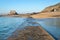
point(31, 31)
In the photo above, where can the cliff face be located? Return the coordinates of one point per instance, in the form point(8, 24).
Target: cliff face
point(53, 8)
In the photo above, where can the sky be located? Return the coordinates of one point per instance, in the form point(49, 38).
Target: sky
point(25, 6)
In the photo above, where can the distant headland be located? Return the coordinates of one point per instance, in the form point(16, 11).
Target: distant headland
point(48, 12)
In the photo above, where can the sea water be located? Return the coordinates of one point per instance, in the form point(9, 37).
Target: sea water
point(52, 26)
point(8, 25)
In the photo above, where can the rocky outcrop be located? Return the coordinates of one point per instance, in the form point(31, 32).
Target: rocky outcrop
point(31, 33)
point(53, 8)
point(13, 12)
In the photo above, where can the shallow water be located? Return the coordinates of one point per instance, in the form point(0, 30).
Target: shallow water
point(51, 25)
point(9, 24)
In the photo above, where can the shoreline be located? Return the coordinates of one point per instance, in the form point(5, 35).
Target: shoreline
point(46, 17)
point(28, 17)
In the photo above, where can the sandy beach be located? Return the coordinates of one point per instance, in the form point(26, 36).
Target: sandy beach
point(47, 15)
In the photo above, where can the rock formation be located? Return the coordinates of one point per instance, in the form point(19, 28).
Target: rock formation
point(31, 33)
point(13, 12)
